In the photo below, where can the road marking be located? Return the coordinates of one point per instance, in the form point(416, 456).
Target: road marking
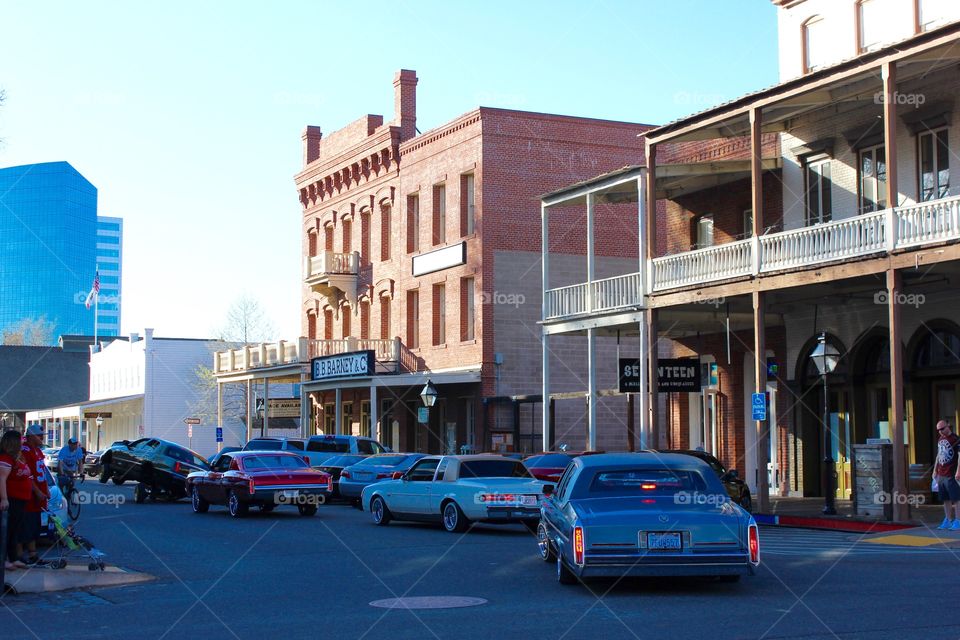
point(910, 541)
point(781, 541)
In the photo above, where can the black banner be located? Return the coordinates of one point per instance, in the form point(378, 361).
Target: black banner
point(678, 374)
point(343, 365)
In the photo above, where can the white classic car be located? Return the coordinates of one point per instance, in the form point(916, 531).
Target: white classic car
point(456, 491)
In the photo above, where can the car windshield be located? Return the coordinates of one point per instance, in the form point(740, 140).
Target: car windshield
point(493, 469)
point(328, 445)
point(256, 463)
point(383, 461)
point(647, 482)
point(264, 445)
point(548, 460)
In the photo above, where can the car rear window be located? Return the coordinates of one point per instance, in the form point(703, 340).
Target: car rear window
point(186, 456)
point(493, 469)
point(385, 460)
point(255, 463)
point(263, 445)
point(328, 445)
point(647, 482)
point(548, 460)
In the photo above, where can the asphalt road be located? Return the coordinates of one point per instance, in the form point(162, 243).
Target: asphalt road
point(283, 575)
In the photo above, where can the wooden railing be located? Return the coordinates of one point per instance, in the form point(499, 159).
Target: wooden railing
point(703, 265)
point(925, 222)
point(848, 238)
point(257, 356)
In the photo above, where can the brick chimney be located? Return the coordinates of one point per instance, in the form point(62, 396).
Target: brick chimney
point(405, 103)
point(311, 143)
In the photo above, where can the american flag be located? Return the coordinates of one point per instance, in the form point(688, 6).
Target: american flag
point(94, 291)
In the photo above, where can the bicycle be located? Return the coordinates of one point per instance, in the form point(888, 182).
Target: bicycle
point(67, 482)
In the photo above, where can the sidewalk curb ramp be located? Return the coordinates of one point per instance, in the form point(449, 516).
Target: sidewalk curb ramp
point(833, 524)
point(43, 580)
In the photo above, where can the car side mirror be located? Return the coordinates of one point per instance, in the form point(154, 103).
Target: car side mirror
point(399, 475)
point(548, 490)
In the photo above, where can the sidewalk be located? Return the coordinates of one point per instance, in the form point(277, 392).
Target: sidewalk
point(808, 512)
point(73, 576)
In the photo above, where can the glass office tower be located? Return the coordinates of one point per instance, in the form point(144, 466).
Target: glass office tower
point(110, 260)
point(48, 244)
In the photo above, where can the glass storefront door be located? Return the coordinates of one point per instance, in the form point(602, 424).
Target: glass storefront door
point(840, 443)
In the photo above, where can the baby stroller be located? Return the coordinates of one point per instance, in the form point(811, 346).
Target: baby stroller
point(68, 542)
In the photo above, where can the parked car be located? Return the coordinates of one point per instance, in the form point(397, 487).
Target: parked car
point(263, 479)
point(91, 462)
point(268, 443)
point(224, 451)
point(159, 467)
point(56, 504)
point(51, 457)
point(550, 465)
point(335, 465)
point(645, 514)
point(382, 466)
point(320, 448)
point(736, 488)
point(456, 491)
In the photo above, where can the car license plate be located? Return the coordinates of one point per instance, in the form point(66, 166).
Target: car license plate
point(528, 501)
point(664, 541)
point(291, 493)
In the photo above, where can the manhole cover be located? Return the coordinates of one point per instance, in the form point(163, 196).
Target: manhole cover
point(428, 602)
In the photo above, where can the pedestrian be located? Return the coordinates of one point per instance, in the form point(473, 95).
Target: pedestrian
point(15, 490)
point(30, 528)
point(946, 475)
point(69, 463)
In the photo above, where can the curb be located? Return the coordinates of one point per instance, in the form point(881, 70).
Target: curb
point(832, 524)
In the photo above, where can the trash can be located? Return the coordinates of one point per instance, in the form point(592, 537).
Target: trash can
point(873, 480)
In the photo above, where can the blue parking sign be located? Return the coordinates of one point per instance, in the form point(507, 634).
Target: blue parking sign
point(219, 434)
point(759, 406)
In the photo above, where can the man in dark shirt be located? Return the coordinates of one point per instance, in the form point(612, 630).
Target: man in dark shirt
point(945, 472)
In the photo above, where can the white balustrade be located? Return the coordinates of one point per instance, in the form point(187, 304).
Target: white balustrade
point(566, 301)
point(329, 262)
point(618, 292)
point(925, 222)
point(847, 238)
point(703, 265)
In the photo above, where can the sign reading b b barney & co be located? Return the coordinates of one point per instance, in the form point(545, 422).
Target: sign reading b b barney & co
point(343, 365)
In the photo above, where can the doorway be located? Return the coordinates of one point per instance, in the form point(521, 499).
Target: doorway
point(840, 442)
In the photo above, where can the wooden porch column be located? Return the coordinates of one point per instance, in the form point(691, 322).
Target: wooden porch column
point(546, 422)
point(901, 510)
point(655, 439)
point(760, 381)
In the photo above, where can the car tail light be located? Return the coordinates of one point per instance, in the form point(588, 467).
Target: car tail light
point(177, 468)
point(648, 486)
point(329, 483)
point(754, 542)
point(578, 545)
point(344, 474)
point(251, 486)
point(381, 476)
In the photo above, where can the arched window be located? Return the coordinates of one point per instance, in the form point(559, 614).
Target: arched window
point(939, 348)
point(312, 326)
point(815, 44)
point(385, 231)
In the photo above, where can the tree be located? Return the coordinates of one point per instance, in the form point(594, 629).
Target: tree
point(245, 323)
point(32, 332)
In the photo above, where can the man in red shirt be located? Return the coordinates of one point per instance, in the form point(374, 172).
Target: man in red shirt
point(33, 455)
point(946, 475)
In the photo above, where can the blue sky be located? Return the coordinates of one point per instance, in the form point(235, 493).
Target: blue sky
point(187, 116)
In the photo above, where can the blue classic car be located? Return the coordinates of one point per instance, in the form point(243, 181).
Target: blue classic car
point(645, 514)
point(458, 490)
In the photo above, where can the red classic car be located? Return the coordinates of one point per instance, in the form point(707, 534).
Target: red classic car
point(264, 479)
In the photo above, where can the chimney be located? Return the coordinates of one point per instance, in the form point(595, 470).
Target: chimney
point(405, 103)
point(311, 143)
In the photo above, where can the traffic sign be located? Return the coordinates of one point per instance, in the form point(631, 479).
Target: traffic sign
point(219, 434)
point(759, 404)
point(192, 421)
point(190, 431)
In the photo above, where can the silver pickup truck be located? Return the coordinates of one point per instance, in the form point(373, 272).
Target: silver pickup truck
point(318, 449)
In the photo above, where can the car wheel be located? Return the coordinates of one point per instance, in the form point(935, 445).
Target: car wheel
point(564, 575)
point(140, 493)
point(453, 519)
point(116, 480)
point(105, 474)
point(199, 504)
point(307, 509)
point(378, 509)
point(237, 508)
point(746, 502)
point(543, 542)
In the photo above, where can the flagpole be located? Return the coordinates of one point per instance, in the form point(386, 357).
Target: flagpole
point(96, 310)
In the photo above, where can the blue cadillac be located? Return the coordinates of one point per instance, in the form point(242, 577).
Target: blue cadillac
point(645, 514)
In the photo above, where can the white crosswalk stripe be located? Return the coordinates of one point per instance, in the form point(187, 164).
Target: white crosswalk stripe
point(785, 541)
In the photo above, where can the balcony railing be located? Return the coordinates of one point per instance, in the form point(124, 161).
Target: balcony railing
point(858, 236)
point(303, 350)
point(329, 263)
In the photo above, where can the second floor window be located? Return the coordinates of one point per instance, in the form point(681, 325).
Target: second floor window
point(877, 26)
point(934, 165)
point(467, 205)
point(328, 238)
point(704, 229)
point(873, 179)
point(817, 192)
point(365, 237)
point(347, 236)
point(815, 44)
point(467, 309)
point(439, 214)
point(345, 313)
point(413, 319)
point(385, 232)
point(439, 314)
point(413, 223)
point(385, 318)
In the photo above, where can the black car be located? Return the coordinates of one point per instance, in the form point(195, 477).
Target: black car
point(91, 462)
point(736, 488)
point(159, 467)
point(335, 465)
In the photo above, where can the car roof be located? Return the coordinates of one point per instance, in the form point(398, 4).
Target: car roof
point(678, 460)
point(253, 454)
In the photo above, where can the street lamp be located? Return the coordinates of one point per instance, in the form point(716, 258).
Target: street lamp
point(99, 430)
point(826, 357)
point(429, 394)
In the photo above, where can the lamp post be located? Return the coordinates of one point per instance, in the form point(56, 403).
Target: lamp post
point(99, 429)
point(825, 356)
point(428, 395)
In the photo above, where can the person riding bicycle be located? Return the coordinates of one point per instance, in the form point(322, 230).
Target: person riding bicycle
point(69, 463)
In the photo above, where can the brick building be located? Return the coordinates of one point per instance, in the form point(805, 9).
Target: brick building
point(424, 249)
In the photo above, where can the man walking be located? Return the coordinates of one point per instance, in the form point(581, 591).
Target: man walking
point(945, 473)
point(30, 527)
